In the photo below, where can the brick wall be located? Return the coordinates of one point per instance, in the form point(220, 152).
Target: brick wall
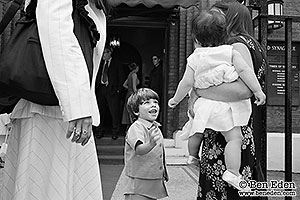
point(172, 114)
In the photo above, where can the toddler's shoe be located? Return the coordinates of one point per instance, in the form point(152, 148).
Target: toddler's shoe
point(193, 161)
point(236, 181)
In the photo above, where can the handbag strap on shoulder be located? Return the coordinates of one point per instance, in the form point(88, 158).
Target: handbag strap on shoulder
point(10, 13)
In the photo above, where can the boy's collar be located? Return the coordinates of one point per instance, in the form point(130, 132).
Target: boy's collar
point(148, 124)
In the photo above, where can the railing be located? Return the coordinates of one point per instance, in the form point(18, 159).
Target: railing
point(262, 21)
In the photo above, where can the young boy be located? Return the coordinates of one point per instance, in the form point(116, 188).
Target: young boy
point(144, 150)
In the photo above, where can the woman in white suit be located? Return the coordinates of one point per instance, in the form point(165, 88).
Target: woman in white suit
point(51, 154)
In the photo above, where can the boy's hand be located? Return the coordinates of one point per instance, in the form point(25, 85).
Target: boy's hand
point(172, 103)
point(154, 138)
point(260, 98)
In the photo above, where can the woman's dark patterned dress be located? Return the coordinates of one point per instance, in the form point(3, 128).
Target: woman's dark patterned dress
point(211, 186)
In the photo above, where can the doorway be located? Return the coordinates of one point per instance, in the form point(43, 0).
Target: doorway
point(139, 39)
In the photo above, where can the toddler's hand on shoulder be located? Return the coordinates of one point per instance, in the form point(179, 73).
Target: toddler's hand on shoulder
point(260, 98)
point(172, 103)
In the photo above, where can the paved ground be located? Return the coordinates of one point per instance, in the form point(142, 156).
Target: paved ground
point(182, 184)
point(277, 175)
point(109, 175)
point(183, 179)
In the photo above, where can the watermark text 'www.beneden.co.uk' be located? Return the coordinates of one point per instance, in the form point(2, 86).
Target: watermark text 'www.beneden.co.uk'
point(274, 188)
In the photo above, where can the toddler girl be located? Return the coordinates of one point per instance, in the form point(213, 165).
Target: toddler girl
point(213, 63)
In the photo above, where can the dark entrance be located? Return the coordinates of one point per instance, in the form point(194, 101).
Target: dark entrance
point(140, 38)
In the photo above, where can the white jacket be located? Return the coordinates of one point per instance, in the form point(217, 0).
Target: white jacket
point(64, 58)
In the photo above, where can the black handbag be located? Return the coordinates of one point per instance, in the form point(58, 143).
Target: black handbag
point(23, 72)
point(22, 68)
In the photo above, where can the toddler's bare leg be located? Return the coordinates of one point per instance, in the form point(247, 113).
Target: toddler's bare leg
point(194, 144)
point(232, 152)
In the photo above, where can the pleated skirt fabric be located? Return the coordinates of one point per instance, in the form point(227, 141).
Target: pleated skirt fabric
point(41, 164)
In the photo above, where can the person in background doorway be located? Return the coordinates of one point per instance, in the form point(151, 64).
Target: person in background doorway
point(130, 84)
point(156, 79)
point(108, 86)
point(145, 165)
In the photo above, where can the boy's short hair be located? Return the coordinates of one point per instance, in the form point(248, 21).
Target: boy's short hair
point(137, 98)
point(209, 28)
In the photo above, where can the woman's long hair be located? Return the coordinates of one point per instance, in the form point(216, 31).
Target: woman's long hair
point(238, 18)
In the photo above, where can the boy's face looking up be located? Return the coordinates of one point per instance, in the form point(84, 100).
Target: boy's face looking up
point(149, 110)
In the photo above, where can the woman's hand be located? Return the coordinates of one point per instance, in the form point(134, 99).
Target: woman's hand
point(81, 129)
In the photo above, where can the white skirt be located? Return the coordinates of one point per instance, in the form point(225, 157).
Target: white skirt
point(42, 164)
point(217, 115)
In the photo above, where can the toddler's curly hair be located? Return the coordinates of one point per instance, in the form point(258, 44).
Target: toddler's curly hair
point(209, 28)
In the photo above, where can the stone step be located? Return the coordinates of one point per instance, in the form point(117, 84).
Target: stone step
point(111, 159)
point(110, 149)
point(176, 160)
point(176, 152)
point(110, 152)
point(107, 140)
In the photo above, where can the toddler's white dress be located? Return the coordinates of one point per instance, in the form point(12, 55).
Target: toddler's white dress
point(212, 67)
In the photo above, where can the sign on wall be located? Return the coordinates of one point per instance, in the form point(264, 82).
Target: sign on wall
point(276, 73)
